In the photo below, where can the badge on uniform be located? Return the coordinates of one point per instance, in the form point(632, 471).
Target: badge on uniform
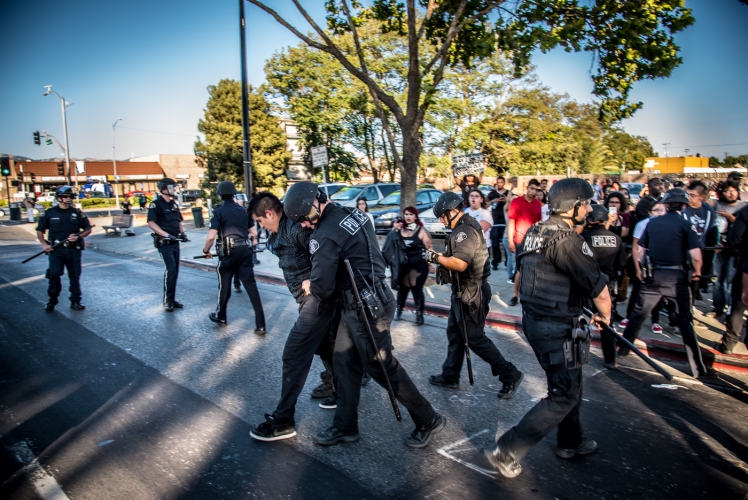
point(313, 246)
point(586, 250)
point(460, 237)
point(151, 206)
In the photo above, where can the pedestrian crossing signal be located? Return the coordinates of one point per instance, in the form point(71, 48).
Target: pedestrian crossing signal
point(5, 166)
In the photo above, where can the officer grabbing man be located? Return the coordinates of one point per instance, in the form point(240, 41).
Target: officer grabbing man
point(67, 227)
point(165, 220)
point(342, 234)
point(231, 224)
point(607, 250)
point(673, 250)
point(465, 265)
point(556, 272)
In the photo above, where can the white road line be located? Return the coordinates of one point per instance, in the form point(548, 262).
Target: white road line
point(444, 452)
point(45, 485)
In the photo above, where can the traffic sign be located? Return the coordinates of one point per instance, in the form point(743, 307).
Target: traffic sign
point(319, 156)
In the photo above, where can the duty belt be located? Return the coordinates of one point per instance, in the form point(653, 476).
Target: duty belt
point(65, 243)
point(669, 268)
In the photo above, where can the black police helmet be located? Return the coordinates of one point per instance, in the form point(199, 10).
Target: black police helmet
point(65, 190)
point(675, 195)
point(299, 199)
point(446, 202)
point(225, 187)
point(166, 182)
point(599, 214)
point(568, 193)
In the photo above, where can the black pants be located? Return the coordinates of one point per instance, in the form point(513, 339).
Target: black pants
point(664, 304)
point(477, 340)
point(734, 323)
point(170, 257)
point(672, 284)
point(561, 407)
point(313, 332)
point(60, 259)
point(239, 261)
point(412, 279)
point(354, 352)
point(497, 234)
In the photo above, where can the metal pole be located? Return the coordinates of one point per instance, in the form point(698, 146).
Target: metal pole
point(114, 160)
point(246, 146)
point(67, 145)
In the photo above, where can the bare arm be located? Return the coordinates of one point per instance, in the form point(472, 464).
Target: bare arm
point(603, 305)
point(209, 243)
point(510, 235)
point(696, 261)
point(156, 229)
point(452, 263)
point(45, 246)
point(638, 253)
point(426, 238)
point(486, 226)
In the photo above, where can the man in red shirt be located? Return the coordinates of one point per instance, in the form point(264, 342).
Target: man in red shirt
point(524, 211)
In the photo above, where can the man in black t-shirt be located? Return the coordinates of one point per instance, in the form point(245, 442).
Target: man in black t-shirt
point(498, 198)
point(655, 194)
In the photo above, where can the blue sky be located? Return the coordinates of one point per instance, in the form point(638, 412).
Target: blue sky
point(149, 63)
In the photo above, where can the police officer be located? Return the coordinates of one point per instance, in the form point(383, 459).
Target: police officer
point(67, 227)
point(314, 330)
point(465, 265)
point(557, 272)
point(231, 224)
point(165, 220)
point(607, 249)
point(737, 239)
point(345, 233)
point(669, 241)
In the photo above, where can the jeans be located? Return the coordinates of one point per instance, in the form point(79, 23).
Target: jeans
point(726, 271)
point(355, 353)
point(477, 341)
point(497, 235)
point(561, 407)
point(510, 270)
point(672, 284)
point(312, 333)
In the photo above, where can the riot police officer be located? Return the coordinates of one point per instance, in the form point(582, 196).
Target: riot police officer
point(67, 227)
point(345, 234)
point(165, 220)
point(607, 249)
point(669, 242)
point(314, 330)
point(465, 265)
point(231, 224)
point(557, 272)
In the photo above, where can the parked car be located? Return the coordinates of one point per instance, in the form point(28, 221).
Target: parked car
point(634, 190)
point(332, 187)
point(136, 193)
point(373, 193)
point(388, 210)
point(190, 195)
point(46, 196)
point(432, 224)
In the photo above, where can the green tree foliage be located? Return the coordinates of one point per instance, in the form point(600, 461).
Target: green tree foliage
point(221, 151)
point(630, 39)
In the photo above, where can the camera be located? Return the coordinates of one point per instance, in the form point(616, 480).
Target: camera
point(399, 220)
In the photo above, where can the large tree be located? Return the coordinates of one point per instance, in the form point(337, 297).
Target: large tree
point(221, 151)
point(631, 40)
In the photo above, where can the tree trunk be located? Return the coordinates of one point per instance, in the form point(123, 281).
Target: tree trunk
point(412, 149)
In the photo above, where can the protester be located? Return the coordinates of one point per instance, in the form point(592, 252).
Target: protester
point(524, 211)
point(703, 221)
point(467, 184)
point(28, 204)
point(619, 217)
point(364, 207)
point(477, 210)
point(498, 199)
point(413, 270)
point(653, 194)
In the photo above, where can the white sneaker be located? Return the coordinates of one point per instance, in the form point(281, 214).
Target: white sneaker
point(656, 328)
point(624, 323)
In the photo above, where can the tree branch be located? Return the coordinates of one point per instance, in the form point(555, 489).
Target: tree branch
point(427, 18)
point(290, 28)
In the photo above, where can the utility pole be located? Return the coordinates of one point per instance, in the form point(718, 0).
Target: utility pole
point(666, 144)
point(246, 145)
point(114, 160)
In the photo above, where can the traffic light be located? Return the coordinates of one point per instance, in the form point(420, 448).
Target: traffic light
point(37, 139)
point(5, 166)
point(60, 169)
point(19, 176)
point(32, 178)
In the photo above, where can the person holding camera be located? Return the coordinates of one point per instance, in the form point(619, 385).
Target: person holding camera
point(412, 274)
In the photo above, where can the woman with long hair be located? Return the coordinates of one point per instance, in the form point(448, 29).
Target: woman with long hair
point(413, 273)
point(478, 211)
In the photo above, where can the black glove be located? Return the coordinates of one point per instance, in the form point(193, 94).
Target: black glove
point(183, 237)
point(172, 237)
point(430, 256)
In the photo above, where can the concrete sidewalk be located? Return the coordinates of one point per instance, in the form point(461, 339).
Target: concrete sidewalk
point(664, 346)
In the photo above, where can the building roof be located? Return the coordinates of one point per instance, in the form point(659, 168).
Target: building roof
point(98, 168)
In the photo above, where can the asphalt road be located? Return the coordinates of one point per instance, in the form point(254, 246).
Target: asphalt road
point(123, 400)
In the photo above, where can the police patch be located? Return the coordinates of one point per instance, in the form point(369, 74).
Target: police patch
point(586, 250)
point(604, 241)
point(313, 246)
point(460, 237)
point(151, 206)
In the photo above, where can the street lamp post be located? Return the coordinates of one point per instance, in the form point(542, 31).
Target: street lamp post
point(64, 107)
point(114, 160)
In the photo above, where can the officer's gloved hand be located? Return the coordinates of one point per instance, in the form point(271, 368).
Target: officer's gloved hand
point(430, 256)
point(172, 237)
point(183, 237)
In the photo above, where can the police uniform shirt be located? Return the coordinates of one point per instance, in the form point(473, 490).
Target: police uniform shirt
point(668, 238)
point(607, 248)
point(62, 223)
point(736, 236)
point(339, 235)
point(468, 244)
point(291, 245)
point(570, 257)
point(166, 214)
point(231, 221)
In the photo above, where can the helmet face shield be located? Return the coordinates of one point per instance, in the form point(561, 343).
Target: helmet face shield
point(169, 190)
point(312, 216)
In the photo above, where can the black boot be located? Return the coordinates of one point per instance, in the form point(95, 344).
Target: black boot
point(419, 314)
point(398, 314)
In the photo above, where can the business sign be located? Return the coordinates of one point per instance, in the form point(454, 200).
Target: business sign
point(468, 164)
point(182, 176)
point(54, 179)
point(319, 156)
point(80, 167)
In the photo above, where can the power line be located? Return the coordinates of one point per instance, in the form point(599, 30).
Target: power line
point(158, 131)
point(712, 145)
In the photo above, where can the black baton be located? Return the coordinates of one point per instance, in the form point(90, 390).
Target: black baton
point(203, 256)
point(465, 333)
point(362, 310)
point(58, 244)
point(607, 329)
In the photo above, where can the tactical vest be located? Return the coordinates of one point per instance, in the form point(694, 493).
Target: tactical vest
point(479, 267)
point(542, 287)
